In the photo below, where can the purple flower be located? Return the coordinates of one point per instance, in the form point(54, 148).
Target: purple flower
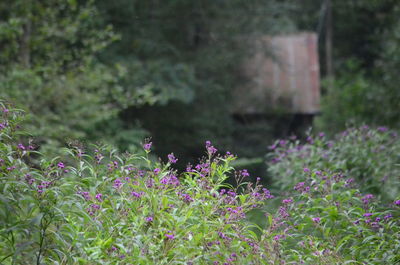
point(223, 236)
point(147, 146)
point(156, 171)
point(267, 194)
point(283, 213)
point(21, 147)
point(397, 202)
point(169, 235)
point(278, 237)
point(367, 214)
point(272, 147)
point(228, 155)
point(367, 198)
point(189, 168)
point(306, 170)
point(137, 194)
point(85, 195)
point(210, 149)
point(149, 183)
point(388, 216)
point(349, 182)
point(316, 220)
point(98, 156)
point(95, 206)
point(286, 201)
point(187, 198)
point(117, 183)
point(301, 187)
point(98, 197)
point(172, 159)
point(11, 168)
point(244, 173)
point(382, 129)
point(60, 165)
point(149, 219)
point(170, 180)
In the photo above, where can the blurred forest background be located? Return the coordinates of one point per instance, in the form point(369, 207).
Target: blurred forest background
point(119, 71)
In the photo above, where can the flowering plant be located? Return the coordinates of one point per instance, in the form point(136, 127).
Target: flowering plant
point(96, 206)
point(369, 155)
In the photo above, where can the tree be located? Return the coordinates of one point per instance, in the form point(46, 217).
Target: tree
point(193, 50)
point(57, 76)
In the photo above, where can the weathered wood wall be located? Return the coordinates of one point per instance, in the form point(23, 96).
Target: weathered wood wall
point(283, 74)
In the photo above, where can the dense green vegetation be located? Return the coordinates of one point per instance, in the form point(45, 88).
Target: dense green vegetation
point(104, 104)
point(126, 209)
point(369, 155)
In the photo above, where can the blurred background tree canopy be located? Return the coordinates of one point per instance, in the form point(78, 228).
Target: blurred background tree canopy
point(118, 71)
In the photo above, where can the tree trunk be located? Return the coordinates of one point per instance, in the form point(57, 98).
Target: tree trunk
point(328, 44)
point(25, 51)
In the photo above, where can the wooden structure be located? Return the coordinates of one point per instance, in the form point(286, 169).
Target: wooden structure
point(284, 79)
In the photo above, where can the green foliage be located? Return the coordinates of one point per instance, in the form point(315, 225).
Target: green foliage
point(117, 209)
point(193, 50)
point(49, 65)
point(56, 76)
point(366, 55)
point(122, 209)
point(353, 99)
point(368, 155)
point(127, 209)
point(350, 102)
point(327, 221)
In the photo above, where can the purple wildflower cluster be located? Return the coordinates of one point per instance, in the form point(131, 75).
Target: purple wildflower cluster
point(98, 156)
point(301, 187)
point(112, 165)
point(154, 207)
point(210, 148)
point(367, 198)
point(85, 195)
point(170, 180)
point(170, 235)
point(186, 198)
point(43, 185)
point(147, 145)
point(29, 179)
point(117, 183)
point(99, 197)
point(172, 159)
point(202, 168)
point(137, 195)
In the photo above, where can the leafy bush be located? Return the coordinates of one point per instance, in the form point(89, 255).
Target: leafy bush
point(111, 209)
point(370, 156)
point(324, 220)
point(108, 208)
